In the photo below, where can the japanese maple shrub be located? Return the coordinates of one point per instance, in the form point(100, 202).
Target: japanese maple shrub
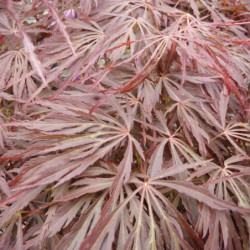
point(124, 124)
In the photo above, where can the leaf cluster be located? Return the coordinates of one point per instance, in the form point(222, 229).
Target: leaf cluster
point(124, 124)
